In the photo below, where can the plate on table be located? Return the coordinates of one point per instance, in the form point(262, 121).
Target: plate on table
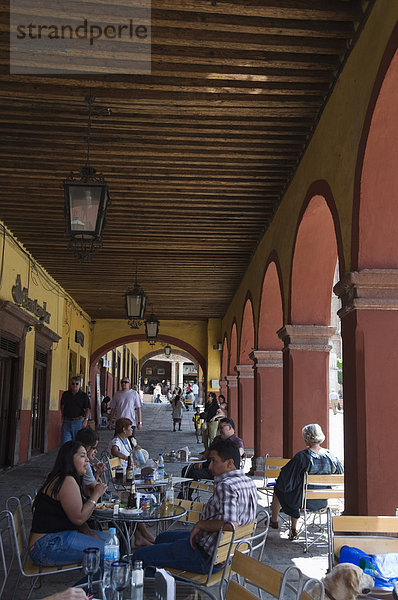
point(104, 506)
point(130, 511)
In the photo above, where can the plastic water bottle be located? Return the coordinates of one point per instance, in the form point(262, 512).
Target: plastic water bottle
point(161, 467)
point(111, 553)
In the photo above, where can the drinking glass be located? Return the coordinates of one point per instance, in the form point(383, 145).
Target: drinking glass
point(90, 563)
point(120, 574)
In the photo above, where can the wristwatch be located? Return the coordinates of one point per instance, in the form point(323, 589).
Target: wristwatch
point(139, 423)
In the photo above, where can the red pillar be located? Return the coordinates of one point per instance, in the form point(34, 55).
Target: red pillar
point(224, 389)
point(369, 320)
point(246, 405)
point(305, 381)
point(268, 402)
point(232, 391)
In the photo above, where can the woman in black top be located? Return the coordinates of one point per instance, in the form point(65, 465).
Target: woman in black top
point(59, 531)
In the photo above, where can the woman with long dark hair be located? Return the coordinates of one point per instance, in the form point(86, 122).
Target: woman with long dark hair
point(59, 531)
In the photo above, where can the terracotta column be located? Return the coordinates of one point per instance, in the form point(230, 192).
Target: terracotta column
point(246, 404)
point(224, 388)
point(268, 402)
point(305, 381)
point(369, 319)
point(232, 393)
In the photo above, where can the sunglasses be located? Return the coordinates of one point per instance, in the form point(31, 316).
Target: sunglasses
point(125, 382)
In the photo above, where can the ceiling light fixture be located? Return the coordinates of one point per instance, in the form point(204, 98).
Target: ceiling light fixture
point(152, 329)
point(86, 202)
point(135, 303)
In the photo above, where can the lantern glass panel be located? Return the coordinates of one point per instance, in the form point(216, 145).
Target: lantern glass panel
point(86, 208)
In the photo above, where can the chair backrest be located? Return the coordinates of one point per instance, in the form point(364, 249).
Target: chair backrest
point(194, 510)
point(18, 508)
point(334, 487)
point(115, 462)
point(5, 545)
point(201, 488)
point(371, 534)
point(272, 468)
point(255, 573)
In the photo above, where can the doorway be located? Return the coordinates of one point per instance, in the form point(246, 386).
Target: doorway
point(8, 373)
point(39, 401)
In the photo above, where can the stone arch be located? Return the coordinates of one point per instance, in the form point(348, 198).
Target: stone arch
point(154, 353)
point(232, 377)
point(140, 337)
point(233, 352)
point(375, 218)
point(315, 252)
point(270, 317)
point(224, 367)
point(247, 332)
point(370, 301)
point(224, 359)
point(268, 372)
point(246, 375)
point(306, 336)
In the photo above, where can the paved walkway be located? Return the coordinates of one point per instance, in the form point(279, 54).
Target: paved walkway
point(156, 436)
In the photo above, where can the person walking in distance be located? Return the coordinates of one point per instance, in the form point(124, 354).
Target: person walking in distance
point(126, 404)
point(75, 408)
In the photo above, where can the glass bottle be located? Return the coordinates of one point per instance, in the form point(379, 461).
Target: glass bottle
point(132, 501)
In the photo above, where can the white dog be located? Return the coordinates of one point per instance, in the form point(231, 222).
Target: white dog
point(346, 582)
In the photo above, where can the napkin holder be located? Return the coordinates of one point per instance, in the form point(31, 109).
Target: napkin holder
point(165, 585)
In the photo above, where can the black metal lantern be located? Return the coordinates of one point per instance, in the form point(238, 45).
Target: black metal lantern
point(86, 202)
point(167, 350)
point(152, 329)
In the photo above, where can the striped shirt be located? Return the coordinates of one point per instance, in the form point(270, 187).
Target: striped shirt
point(234, 499)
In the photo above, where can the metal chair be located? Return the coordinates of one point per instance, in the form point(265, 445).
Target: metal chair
point(272, 469)
point(227, 541)
point(370, 534)
point(13, 527)
point(249, 571)
point(328, 487)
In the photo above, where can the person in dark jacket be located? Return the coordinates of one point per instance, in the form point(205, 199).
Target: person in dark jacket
point(289, 485)
point(210, 425)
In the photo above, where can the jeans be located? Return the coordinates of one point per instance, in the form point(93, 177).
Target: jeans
point(65, 547)
point(172, 550)
point(69, 429)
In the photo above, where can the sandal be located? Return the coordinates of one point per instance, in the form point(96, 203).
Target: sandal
point(293, 533)
point(274, 524)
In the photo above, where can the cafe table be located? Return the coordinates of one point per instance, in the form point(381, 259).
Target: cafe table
point(184, 591)
point(126, 521)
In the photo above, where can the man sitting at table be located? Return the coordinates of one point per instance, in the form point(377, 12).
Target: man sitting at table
point(234, 499)
point(200, 470)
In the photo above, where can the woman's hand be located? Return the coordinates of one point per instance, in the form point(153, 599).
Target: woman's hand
point(99, 489)
point(99, 469)
point(69, 594)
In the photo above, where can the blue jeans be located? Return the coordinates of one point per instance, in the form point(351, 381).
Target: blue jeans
point(172, 549)
point(65, 547)
point(69, 429)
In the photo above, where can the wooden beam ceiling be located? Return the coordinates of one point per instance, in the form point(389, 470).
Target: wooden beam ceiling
point(196, 154)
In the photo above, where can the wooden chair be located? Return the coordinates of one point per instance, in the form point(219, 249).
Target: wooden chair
point(13, 527)
point(252, 572)
point(226, 543)
point(272, 469)
point(333, 492)
point(373, 535)
point(194, 512)
point(201, 490)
